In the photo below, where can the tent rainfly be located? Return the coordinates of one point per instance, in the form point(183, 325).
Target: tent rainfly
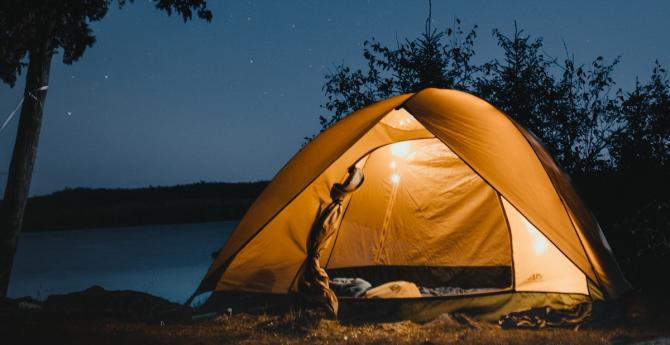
point(456, 197)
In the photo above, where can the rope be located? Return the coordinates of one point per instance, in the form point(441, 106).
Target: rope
point(31, 95)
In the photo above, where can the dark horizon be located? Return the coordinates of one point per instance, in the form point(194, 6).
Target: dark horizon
point(159, 102)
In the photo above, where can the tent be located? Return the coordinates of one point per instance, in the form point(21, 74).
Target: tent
point(455, 194)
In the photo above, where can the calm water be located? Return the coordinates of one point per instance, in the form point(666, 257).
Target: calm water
point(163, 260)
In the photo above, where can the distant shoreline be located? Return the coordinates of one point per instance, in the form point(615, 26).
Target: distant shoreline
point(123, 227)
point(86, 208)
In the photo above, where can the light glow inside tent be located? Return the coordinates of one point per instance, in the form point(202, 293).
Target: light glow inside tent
point(538, 264)
point(539, 242)
point(400, 149)
point(393, 164)
point(421, 201)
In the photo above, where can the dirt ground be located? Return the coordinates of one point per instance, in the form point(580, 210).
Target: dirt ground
point(266, 329)
point(97, 316)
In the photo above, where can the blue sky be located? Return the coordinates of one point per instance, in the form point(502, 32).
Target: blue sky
point(160, 102)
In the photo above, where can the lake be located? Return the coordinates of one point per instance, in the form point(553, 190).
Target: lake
point(164, 260)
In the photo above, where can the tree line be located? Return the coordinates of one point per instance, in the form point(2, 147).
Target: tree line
point(87, 208)
point(583, 119)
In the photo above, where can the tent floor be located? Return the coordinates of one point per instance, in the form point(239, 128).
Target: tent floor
point(486, 306)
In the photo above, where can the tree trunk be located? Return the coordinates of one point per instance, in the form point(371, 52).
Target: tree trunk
point(23, 159)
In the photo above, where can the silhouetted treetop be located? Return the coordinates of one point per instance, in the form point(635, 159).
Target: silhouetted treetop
point(28, 25)
point(646, 110)
point(575, 109)
point(435, 59)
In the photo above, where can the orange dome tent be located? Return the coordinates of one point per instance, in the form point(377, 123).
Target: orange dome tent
point(456, 194)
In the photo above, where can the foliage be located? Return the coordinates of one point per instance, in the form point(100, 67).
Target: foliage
point(520, 84)
point(436, 59)
point(573, 114)
point(65, 25)
point(646, 111)
point(576, 110)
point(589, 115)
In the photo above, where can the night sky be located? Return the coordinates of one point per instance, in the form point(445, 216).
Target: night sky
point(160, 102)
